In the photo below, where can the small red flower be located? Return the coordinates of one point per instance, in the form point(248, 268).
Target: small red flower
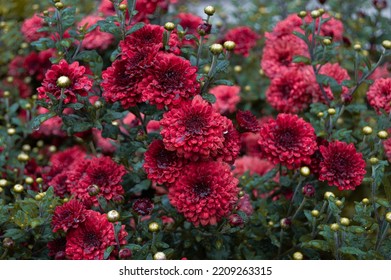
point(336, 72)
point(252, 164)
point(150, 36)
point(143, 206)
point(91, 238)
point(68, 216)
point(247, 121)
point(288, 140)
point(227, 97)
point(171, 80)
point(379, 95)
point(278, 54)
point(245, 39)
point(194, 130)
point(30, 28)
point(79, 83)
point(342, 165)
point(103, 172)
point(96, 39)
point(292, 91)
point(205, 193)
point(162, 166)
point(36, 64)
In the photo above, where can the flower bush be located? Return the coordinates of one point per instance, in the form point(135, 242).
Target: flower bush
point(166, 130)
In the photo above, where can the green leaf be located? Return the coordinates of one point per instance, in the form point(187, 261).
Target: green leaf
point(43, 44)
point(40, 119)
point(211, 98)
point(110, 131)
point(317, 244)
point(135, 27)
point(351, 251)
point(108, 251)
point(143, 185)
point(109, 26)
point(224, 82)
point(75, 106)
point(301, 59)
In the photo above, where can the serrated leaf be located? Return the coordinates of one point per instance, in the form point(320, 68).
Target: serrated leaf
point(211, 98)
point(351, 251)
point(40, 119)
point(301, 59)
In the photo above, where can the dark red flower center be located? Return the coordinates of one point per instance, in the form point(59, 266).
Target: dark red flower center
point(340, 164)
point(286, 138)
point(165, 158)
point(201, 189)
point(195, 124)
point(91, 239)
point(99, 177)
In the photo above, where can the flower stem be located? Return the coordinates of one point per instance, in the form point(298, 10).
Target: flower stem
point(199, 50)
point(300, 208)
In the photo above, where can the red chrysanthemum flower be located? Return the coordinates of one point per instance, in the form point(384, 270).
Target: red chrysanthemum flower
point(96, 39)
point(244, 205)
point(278, 54)
point(24, 89)
point(15, 67)
point(252, 164)
point(342, 165)
point(288, 140)
point(189, 22)
point(387, 147)
point(30, 28)
point(105, 145)
point(317, 157)
point(205, 193)
point(56, 175)
point(36, 64)
point(68, 215)
point(143, 206)
point(379, 95)
point(247, 121)
point(79, 83)
point(287, 26)
point(292, 91)
point(169, 81)
point(120, 81)
point(336, 72)
point(162, 166)
point(103, 172)
point(150, 36)
point(194, 130)
point(91, 238)
point(57, 248)
point(227, 97)
point(381, 72)
point(245, 39)
point(231, 145)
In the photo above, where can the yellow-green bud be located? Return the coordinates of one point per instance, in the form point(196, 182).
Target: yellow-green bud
point(386, 44)
point(209, 10)
point(229, 45)
point(169, 26)
point(367, 130)
point(344, 221)
point(216, 49)
point(382, 134)
point(305, 171)
point(298, 256)
point(153, 227)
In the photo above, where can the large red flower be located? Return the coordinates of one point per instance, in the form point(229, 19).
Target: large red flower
point(120, 81)
point(205, 193)
point(194, 130)
point(227, 97)
point(96, 39)
point(91, 238)
point(252, 164)
point(245, 39)
point(379, 95)
point(150, 36)
point(288, 140)
point(36, 64)
point(162, 166)
point(103, 172)
point(342, 165)
point(79, 83)
point(292, 91)
point(68, 215)
point(171, 80)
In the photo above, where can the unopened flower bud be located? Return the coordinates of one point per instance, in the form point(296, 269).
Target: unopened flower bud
point(159, 256)
point(367, 130)
point(305, 171)
point(229, 45)
point(315, 14)
point(63, 82)
point(153, 227)
point(331, 111)
point(308, 190)
point(125, 253)
point(374, 160)
point(18, 188)
point(204, 29)
point(236, 220)
point(357, 47)
point(113, 216)
point(209, 10)
point(298, 256)
point(59, 5)
point(365, 201)
point(285, 223)
point(327, 42)
point(315, 213)
point(122, 7)
point(386, 44)
point(388, 217)
point(334, 227)
point(327, 195)
point(169, 26)
point(344, 221)
point(302, 14)
point(216, 49)
point(8, 243)
point(93, 190)
point(382, 134)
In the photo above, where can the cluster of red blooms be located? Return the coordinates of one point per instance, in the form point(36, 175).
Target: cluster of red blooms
point(293, 86)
